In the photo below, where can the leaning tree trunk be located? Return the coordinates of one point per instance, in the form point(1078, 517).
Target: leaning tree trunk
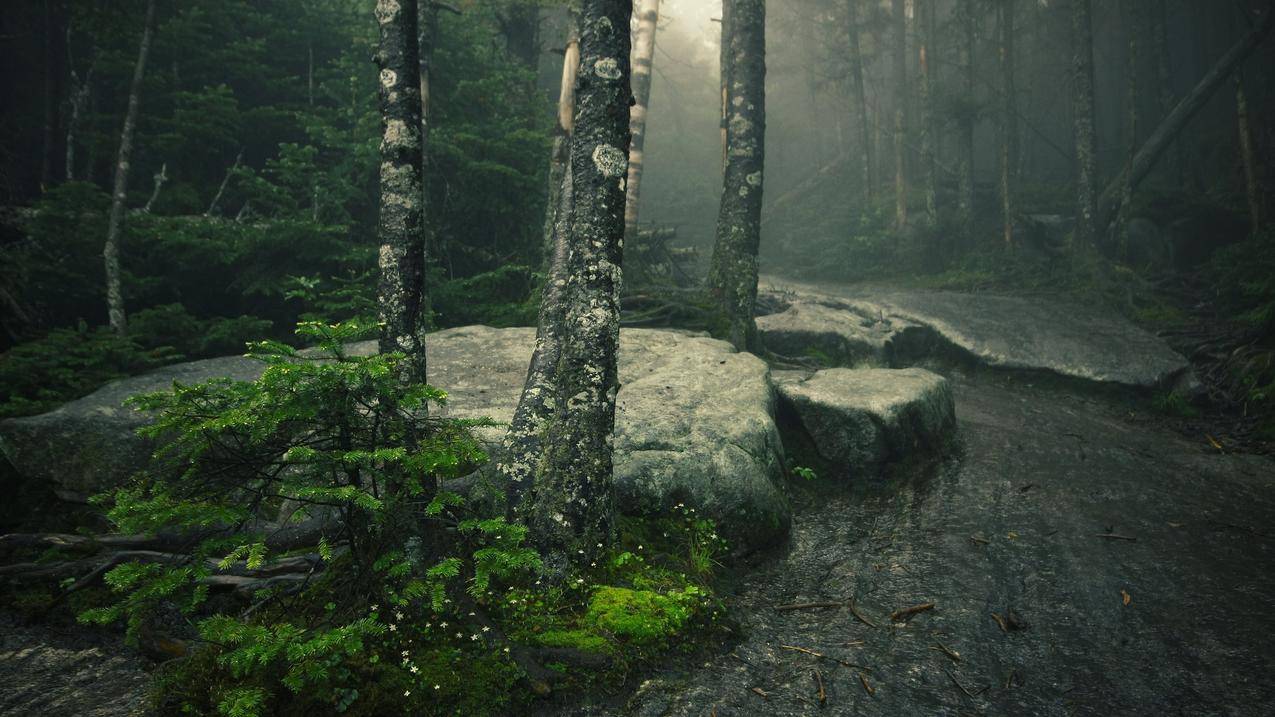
point(1248, 155)
point(1182, 113)
point(1083, 120)
point(111, 252)
point(732, 276)
point(965, 175)
point(861, 103)
point(643, 54)
point(401, 260)
point(570, 507)
point(1164, 79)
point(1009, 120)
point(929, 136)
point(523, 443)
point(900, 114)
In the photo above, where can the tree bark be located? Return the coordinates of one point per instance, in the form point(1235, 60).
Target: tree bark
point(861, 103)
point(401, 260)
point(965, 141)
point(1164, 79)
point(643, 55)
point(900, 114)
point(1083, 120)
point(570, 508)
point(111, 252)
point(1186, 109)
point(1120, 236)
point(723, 74)
point(523, 443)
point(732, 277)
point(1009, 119)
point(79, 97)
point(54, 56)
point(929, 134)
point(1248, 155)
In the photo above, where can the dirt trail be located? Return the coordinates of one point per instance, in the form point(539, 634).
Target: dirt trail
point(1047, 479)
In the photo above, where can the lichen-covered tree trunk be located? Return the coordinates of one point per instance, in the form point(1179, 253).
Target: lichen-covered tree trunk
point(1083, 120)
point(1170, 127)
point(401, 259)
point(119, 193)
point(1248, 156)
point(1009, 119)
point(523, 443)
point(861, 102)
point(965, 138)
point(732, 276)
point(929, 134)
point(723, 76)
point(643, 55)
point(900, 114)
point(570, 507)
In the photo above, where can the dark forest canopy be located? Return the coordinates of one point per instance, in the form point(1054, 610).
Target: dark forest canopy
point(834, 221)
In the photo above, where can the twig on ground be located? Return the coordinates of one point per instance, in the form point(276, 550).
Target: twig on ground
point(858, 615)
point(806, 606)
point(940, 647)
point(905, 613)
point(823, 694)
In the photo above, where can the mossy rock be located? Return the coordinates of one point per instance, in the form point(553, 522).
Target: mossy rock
point(642, 617)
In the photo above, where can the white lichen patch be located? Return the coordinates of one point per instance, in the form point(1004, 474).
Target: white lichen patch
point(386, 9)
point(398, 134)
point(608, 68)
point(610, 161)
point(389, 78)
point(754, 179)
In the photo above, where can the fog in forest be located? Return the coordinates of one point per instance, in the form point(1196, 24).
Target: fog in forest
point(636, 357)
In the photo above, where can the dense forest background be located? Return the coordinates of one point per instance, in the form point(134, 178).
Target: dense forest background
point(252, 192)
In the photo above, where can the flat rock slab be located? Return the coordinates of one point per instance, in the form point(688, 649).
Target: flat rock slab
point(1002, 332)
point(858, 420)
point(806, 329)
point(694, 423)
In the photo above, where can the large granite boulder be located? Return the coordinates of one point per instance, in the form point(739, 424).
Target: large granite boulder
point(1000, 332)
point(694, 422)
point(859, 420)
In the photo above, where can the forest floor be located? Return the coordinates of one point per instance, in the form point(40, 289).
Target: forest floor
point(1080, 560)
point(1081, 556)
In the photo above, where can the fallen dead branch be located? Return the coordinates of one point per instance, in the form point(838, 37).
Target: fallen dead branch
point(761, 693)
point(1116, 536)
point(958, 684)
point(854, 610)
point(822, 693)
point(806, 606)
point(953, 654)
point(863, 680)
point(906, 613)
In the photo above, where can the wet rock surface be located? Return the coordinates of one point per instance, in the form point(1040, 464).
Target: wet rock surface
point(1000, 332)
point(1023, 525)
point(694, 422)
point(858, 420)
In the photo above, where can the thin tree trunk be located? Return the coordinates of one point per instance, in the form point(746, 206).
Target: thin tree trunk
point(111, 252)
point(732, 277)
point(643, 54)
point(1248, 155)
point(965, 141)
point(225, 182)
point(900, 115)
point(1083, 119)
point(929, 135)
point(1009, 120)
point(1121, 237)
point(1186, 109)
point(861, 102)
point(401, 290)
point(79, 99)
point(523, 442)
point(161, 177)
point(723, 74)
point(570, 509)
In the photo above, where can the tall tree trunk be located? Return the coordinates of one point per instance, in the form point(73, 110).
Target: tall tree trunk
point(1083, 120)
point(1164, 80)
point(1009, 119)
point(1182, 113)
point(929, 135)
point(732, 277)
point(401, 259)
point(1248, 155)
point(900, 114)
point(54, 56)
point(570, 508)
point(965, 143)
point(523, 442)
point(79, 99)
point(643, 54)
point(861, 103)
point(111, 252)
point(723, 76)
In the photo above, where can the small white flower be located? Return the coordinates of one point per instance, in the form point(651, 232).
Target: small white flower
point(375, 608)
point(398, 616)
point(473, 636)
point(579, 580)
point(404, 653)
point(393, 627)
point(459, 635)
point(599, 545)
point(471, 614)
point(407, 693)
point(486, 629)
point(414, 669)
point(436, 687)
point(443, 624)
point(506, 649)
